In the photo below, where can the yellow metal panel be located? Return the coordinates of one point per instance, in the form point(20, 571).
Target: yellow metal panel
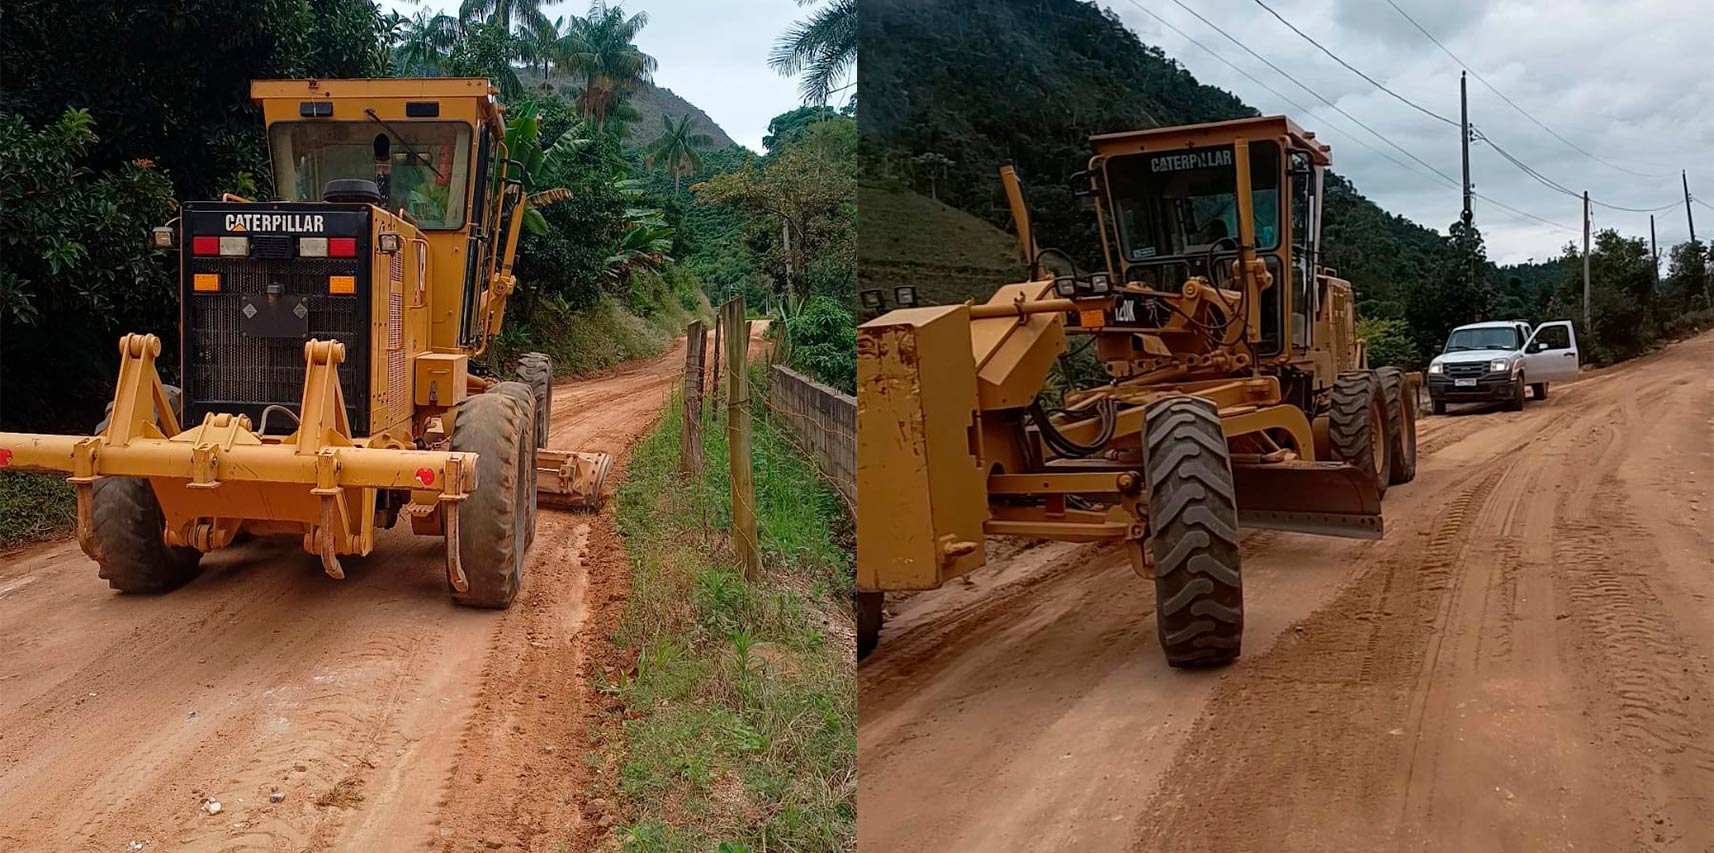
point(441, 378)
point(921, 499)
point(1012, 357)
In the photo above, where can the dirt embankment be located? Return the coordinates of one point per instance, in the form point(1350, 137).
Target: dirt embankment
point(1522, 664)
point(384, 717)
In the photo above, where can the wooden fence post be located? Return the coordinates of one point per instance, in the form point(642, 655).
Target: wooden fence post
point(714, 375)
point(690, 443)
point(738, 437)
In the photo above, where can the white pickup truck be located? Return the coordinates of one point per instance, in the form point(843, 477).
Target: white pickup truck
point(1493, 361)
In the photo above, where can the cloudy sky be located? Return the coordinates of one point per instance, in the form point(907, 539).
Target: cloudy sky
point(1630, 81)
point(713, 54)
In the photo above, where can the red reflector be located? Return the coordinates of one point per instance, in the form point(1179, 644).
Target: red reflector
point(6, 457)
point(425, 476)
point(205, 245)
point(342, 247)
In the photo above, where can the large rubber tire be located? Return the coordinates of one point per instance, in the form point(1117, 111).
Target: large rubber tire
point(129, 526)
point(1516, 403)
point(1193, 517)
point(1540, 390)
point(1357, 425)
point(526, 397)
point(1401, 416)
point(870, 616)
point(491, 535)
point(536, 370)
point(1439, 406)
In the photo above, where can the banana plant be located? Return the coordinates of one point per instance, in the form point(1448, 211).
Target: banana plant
point(542, 166)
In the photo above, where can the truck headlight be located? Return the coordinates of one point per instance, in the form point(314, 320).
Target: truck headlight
point(1436, 368)
point(1499, 365)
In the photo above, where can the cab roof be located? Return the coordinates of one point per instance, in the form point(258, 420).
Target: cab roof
point(1213, 133)
point(1493, 324)
point(393, 98)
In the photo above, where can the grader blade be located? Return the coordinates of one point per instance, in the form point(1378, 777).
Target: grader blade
point(1325, 498)
point(571, 479)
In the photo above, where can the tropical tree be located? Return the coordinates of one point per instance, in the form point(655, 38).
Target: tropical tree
point(541, 166)
point(598, 48)
point(425, 43)
point(507, 14)
point(822, 48)
point(540, 42)
point(676, 149)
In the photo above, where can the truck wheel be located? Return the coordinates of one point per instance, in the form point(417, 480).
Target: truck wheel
point(1516, 403)
point(869, 619)
point(1401, 424)
point(536, 370)
point(526, 398)
point(129, 530)
point(1438, 405)
point(491, 522)
point(1540, 391)
point(1358, 426)
point(1193, 516)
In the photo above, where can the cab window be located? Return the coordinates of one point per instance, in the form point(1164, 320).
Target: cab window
point(1184, 202)
point(1486, 337)
point(421, 167)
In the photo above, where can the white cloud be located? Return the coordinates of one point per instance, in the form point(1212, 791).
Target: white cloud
point(711, 54)
point(1630, 80)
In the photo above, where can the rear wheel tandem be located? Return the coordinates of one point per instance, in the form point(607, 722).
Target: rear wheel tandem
point(1193, 519)
point(1401, 423)
point(1357, 426)
point(129, 531)
point(492, 538)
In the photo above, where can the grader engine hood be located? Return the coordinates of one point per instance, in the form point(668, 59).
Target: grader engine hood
point(258, 280)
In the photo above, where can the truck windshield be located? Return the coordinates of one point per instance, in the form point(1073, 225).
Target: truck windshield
point(422, 167)
point(1185, 201)
point(1490, 337)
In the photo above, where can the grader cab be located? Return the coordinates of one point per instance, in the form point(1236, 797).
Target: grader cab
point(325, 354)
point(1238, 393)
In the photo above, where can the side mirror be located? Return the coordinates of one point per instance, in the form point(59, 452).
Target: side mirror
point(1537, 346)
point(1082, 184)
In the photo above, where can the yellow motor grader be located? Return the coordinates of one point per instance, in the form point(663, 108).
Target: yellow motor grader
point(1238, 393)
point(325, 353)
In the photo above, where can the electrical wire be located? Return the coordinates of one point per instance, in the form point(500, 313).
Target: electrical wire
point(1349, 67)
point(1106, 409)
point(1513, 104)
point(1555, 185)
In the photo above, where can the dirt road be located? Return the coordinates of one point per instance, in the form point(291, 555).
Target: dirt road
point(385, 717)
point(1523, 664)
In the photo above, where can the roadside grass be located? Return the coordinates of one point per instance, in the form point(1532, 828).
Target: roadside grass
point(34, 507)
point(610, 332)
point(740, 730)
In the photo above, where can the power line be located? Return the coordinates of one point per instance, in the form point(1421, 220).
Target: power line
point(1525, 113)
point(1433, 172)
point(1555, 185)
point(1349, 67)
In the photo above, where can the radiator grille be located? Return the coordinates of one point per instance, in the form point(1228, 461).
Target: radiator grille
point(224, 365)
point(1467, 370)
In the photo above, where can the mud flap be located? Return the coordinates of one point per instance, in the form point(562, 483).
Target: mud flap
point(570, 479)
point(1324, 498)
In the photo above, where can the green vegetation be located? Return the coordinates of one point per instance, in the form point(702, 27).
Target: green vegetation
point(34, 507)
point(947, 254)
point(740, 729)
point(936, 121)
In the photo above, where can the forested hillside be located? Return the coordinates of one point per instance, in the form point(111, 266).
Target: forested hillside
point(952, 89)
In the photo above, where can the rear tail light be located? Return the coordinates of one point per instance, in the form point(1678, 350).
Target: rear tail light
point(312, 247)
point(230, 246)
point(342, 247)
point(205, 245)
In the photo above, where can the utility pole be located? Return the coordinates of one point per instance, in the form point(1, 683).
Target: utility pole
point(1588, 327)
point(1654, 251)
point(1689, 217)
point(1464, 131)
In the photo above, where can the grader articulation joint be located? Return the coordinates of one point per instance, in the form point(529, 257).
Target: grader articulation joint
point(1238, 394)
point(389, 252)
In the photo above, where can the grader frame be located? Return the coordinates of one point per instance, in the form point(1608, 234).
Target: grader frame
point(414, 283)
point(1202, 428)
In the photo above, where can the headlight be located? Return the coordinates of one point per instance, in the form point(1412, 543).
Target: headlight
point(1065, 286)
point(1436, 368)
point(1499, 365)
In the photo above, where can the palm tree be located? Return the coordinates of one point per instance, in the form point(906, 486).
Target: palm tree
point(676, 148)
point(598, 48)
point(822, 47)
point(540, 36)
point(505, 13)
point(426, 42)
